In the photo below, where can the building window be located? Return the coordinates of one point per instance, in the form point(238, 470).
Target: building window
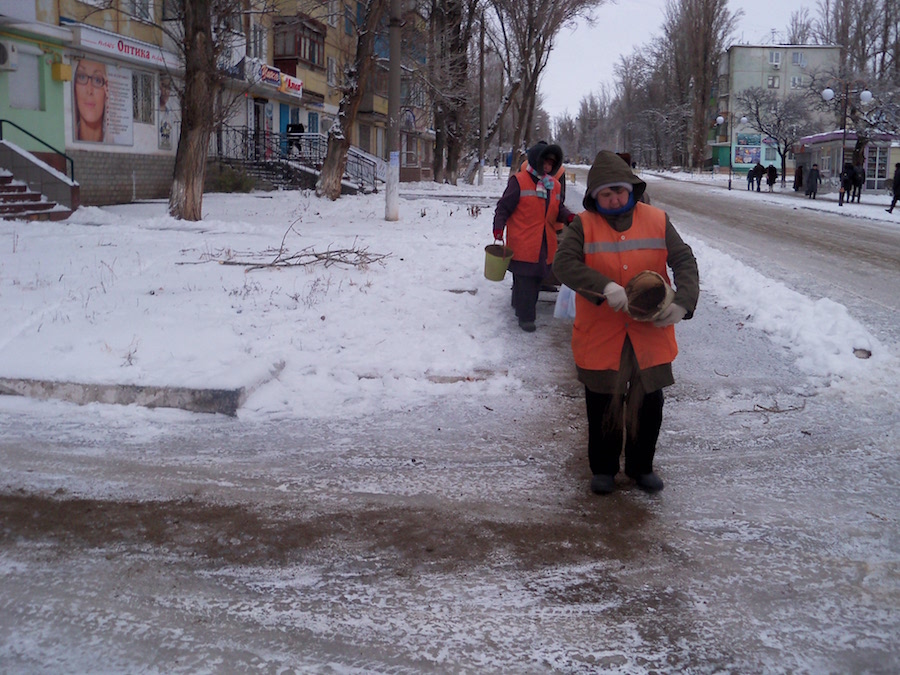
point(311, 46)
point(381, 82)
point(365, 137)
point(140, 9)
point(334, 12)
point(348, 20)
point(770, 154)
point(301, 41)
point(796, 82)
point(25, 84)
point(258, 42)
point(142, 97)
point(173, 10)
point(285, 44)
point(774, 81)
point(412, 94)
point(798, 59)
point(775, 58)
point(332, 72)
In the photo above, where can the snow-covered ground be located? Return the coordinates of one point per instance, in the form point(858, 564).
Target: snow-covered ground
point(405, 490)
point(126, 294)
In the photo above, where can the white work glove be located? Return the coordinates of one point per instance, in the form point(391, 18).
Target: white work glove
point(670, 316)
point(615, 297)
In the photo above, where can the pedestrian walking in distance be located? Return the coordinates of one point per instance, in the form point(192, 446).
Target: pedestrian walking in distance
point(812, 181)
point(771, 177)
point(895, 187)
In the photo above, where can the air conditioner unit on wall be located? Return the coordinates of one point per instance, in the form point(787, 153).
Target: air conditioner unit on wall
point(776, 66)
point(9, 56)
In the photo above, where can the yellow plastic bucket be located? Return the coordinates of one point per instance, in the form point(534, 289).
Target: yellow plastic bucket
point(496, 260)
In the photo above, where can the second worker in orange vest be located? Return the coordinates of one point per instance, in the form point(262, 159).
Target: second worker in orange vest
point(624, 364)
point(532, 212)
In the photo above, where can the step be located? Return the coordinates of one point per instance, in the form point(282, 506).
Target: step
point(20, 207)
point(6, 197)
point(59, 214)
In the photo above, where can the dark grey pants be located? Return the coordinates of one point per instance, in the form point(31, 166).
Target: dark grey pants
point(525, 291)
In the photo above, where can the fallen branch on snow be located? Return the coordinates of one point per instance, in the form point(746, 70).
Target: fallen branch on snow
point(350, 257)
point(764, 411)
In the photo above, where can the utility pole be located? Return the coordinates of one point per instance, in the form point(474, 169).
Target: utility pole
point(481, 107)
point(392, 187)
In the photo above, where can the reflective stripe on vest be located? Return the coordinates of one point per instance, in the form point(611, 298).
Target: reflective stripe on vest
point(599, 333)
point(629, 245)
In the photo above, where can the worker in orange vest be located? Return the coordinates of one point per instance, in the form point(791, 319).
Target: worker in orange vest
point(623, 363)
point(531, 211)
point(550, 282)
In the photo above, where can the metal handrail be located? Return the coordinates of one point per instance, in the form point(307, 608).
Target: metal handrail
point(309, 149)
point(70, 161)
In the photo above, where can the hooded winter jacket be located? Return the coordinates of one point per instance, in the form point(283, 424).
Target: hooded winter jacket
point(530, 213)
point(595, 250)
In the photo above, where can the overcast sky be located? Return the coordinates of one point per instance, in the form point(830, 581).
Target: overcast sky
point(583, 59)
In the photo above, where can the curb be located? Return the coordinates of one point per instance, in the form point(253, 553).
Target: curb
point(222, 401)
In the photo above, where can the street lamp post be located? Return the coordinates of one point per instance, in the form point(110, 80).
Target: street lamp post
point(720, 120)
point(865, 96)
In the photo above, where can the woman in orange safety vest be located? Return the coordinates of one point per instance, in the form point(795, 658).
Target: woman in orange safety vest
point(531, 211)
point(624, 364)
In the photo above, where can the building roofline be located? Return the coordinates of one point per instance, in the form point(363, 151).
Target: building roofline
point(760, 46)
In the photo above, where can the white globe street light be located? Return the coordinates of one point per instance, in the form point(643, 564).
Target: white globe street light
point(720, 120)
point(865, 97)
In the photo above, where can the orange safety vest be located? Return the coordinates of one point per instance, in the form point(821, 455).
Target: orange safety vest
point(533, 216)
point(599, 332)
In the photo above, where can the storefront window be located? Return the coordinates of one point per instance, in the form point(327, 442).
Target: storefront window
point(877, 167)
point(142, 97)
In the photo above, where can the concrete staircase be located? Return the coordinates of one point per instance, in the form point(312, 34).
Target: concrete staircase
point(18, 202)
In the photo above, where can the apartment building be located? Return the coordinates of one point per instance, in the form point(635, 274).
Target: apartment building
point(91, 90)
point(783, 69)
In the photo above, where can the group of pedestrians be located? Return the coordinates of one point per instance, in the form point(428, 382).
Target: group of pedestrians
point(623, 363)
point(758, 172)
point(852, 179)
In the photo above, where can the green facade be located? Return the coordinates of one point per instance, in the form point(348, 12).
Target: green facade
point(47, 123)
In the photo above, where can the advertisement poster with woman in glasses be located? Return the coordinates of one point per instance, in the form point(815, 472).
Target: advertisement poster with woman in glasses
point(102, 106)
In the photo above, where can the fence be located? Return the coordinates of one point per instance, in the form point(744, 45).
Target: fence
point(307, 149)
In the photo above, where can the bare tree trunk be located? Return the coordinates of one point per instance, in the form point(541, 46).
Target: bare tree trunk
point(332, 174)
point(200, 73)
point(355, 78)
point(453, 146)
point(528, 31)
point(494, 126)
point(440, 145)
point(452, 25)
point(186, 196)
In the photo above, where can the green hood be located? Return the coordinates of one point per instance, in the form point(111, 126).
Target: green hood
point(607, 168)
